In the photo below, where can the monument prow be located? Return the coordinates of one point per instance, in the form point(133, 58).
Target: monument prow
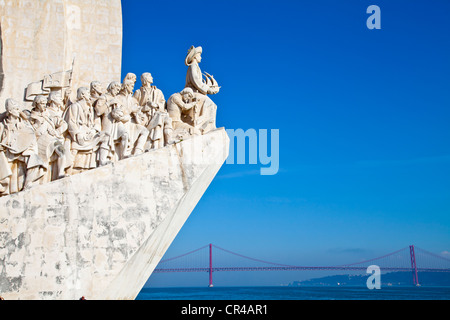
point(100, 233)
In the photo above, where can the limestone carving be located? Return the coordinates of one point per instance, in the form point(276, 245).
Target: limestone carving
point(96, 91)
point(20, 164)
point(153, 114)
point(49, 128)
point(85, 137)
point(114, 140)
point(123, 113)
point(150, 96)
point(56, 106)
point(53, 82)
point(130, 76)
point(181, 107)
point(56, 137)
point(204, 117)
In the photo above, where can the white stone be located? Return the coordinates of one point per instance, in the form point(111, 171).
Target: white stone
point(39, 38)
point(101, 233)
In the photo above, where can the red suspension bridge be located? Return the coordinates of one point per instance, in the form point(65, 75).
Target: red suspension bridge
point(201, 260)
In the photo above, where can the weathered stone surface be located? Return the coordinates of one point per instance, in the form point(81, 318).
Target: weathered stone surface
point(101, 233)
point(38, 38)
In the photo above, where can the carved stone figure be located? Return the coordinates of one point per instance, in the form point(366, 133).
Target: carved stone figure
point(181, 108)
point(96, 91)
point(85, 137)
point(20, 164)
point(152, 113)
point(149, 97)
point(160, 128)
point(123, 113)
point(49, 128)
point(112, 133)
point(56, 110)
point(205, 118)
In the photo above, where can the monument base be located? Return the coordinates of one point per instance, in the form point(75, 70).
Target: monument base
point(100, 234)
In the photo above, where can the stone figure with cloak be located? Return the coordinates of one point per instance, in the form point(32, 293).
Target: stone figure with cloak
point(203, 115)
point(125, 109)
point(149, 97)
point(179, 107)
point(20, 164)
point(49, 129)
point(153, 114)
point(85, 136)
point(115, 138)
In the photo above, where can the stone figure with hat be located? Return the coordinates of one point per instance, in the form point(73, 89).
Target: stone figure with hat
point(204, 114)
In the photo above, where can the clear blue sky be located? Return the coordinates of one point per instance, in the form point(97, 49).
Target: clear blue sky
point(363, 117)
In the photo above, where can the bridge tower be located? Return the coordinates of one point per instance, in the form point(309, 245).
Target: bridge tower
point(414, 265)
point(210, 266)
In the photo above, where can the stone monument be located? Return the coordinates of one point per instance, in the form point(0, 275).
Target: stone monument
point(95, 185)
point(51, 44)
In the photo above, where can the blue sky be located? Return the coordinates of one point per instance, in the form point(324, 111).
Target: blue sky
point(363, 117)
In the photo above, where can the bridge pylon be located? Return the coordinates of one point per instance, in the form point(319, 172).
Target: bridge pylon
point(210, 267)
point(414, 265)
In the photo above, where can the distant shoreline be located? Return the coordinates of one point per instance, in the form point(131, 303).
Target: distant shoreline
point(391, 279)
